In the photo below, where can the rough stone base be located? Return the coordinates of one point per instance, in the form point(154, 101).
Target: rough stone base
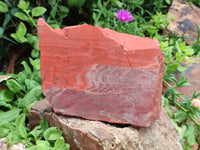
point(4, 146)
point(83, 134)
point(192, 73)
point(186, 15)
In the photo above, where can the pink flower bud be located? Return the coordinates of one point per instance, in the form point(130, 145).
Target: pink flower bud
point(196, 102)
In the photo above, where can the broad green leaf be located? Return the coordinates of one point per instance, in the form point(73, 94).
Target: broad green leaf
point(55, 26)
point(63, 11)
point(42, 142)
point(32, 96)
point(35, 63)
point(4, 129)
point(31, 38)
point(12, 126)
point(15, 36)
point(185, 84)
point(4, 104)
point(52, 133)
point(3, 7)
point(115, 3)
point(94, 16)
point(20, 120)
point(13, 138)
point(27, 11)
point(179, 57)
point(190, 135)
point(21, 30)
point(37, 76)
point(180, 116)
point(52, 2)
point(187, 99)
point(44, 124)
point(36, 132)
point(21, 16)
point(35, 53)
point(183, 129)
point(30, 84)
point(22, 131)
point(20, 125)
point(27, 109)
point(10, 115)
point(172, 67)
point(38, 11)
point(6, 96)
point(36, 44)
point(26, 67)
point(21, 77)
point(18, 38)
point(66, 147)
point(169, 91)
point(53, 12)
point(1, 32)
point(19, 35)
point(13, 86)
point(40, 145)
point(23, 4)
point(168, 1)
point(164, 101)
point(61, 145)
point(77, 3)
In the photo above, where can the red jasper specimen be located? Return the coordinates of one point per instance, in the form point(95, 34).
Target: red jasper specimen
point(100, 74)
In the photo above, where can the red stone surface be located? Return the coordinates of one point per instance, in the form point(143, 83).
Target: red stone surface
point(100, 74)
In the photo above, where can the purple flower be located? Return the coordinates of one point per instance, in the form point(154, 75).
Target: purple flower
point(124, 15)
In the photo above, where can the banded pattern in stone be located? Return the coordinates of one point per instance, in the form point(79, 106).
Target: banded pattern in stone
point(100, 74)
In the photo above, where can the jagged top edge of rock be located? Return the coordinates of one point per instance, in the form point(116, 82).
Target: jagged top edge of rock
point(127, 41)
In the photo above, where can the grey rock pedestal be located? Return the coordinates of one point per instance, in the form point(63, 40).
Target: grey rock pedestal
point(5, 146)
point(186, 15)
point(83, 134)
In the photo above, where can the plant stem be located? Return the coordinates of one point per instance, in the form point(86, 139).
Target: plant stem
point(182, 108)
point(195, 122)
point(31, 19)
point(120, 27)
point(166, 83)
